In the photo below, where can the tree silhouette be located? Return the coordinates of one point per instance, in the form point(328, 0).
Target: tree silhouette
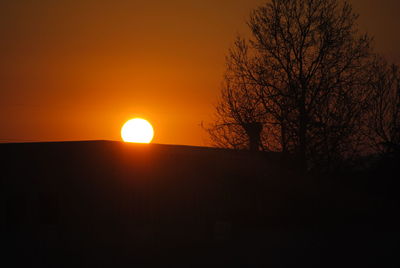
point(383, 117)
point(302, 75)
point(239, 114)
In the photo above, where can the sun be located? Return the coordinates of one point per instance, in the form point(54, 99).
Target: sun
point(137, 130)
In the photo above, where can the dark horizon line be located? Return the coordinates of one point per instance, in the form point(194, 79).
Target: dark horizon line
point(26, 141)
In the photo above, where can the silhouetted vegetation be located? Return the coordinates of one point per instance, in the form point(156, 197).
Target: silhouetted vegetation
point(312, 82)
point(383, 116)
point(307, 90)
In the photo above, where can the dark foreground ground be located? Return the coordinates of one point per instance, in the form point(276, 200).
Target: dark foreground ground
point(110, 204)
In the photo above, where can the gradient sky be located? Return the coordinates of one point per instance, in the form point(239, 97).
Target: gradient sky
point(77, 70)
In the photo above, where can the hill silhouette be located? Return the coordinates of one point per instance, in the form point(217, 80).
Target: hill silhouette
point(112, 204)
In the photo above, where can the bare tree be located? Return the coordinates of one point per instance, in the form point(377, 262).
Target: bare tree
point(383, 117)
point(240, 115)
point(304, 67)
point(243, 106)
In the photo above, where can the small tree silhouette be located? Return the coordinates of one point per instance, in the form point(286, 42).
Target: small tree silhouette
point(383, 117)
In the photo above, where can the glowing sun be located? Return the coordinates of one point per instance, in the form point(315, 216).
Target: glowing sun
point(137, 130)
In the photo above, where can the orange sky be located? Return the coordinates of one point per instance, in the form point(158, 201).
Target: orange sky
point(77, 70)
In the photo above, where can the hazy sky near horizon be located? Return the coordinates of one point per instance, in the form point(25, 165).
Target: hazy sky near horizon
point(76, 70)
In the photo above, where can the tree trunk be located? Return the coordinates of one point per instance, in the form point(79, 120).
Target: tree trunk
point(302, 134)
point(253, 131)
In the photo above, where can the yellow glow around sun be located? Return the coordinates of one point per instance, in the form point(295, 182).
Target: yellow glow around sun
point(137, 130)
